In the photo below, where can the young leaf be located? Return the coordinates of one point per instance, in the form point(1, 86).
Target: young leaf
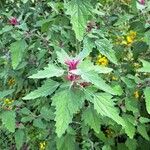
point(142, 130)
point(8, 120)
point(97, 81)
point(66, 142)
point(91, 118)
point(48, 72)
point(147, 98)
point(67, 103)
point(146, 66)
point(62, 56)
point(105, 48)
point(46, 89)
point(17, 50)
point(105, 106)
point(79, 12)
point(19, 138)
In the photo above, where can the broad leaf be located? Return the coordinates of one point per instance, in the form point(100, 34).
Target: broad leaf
point(146, 66)
point(48, 72)
point(19, 138)
point(17, 50)
point(91, 118)
point(105, 106)
point(88, 45)
point(67, 103)
point(62, 56)
point(142, 130)
point(105, 48)
point(147, 98)
point(66, 142)
point(8, 120)
point(46, 89)
point(97, 81)
point(79, 12)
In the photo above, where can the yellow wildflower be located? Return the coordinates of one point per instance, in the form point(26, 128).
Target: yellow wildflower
point(114, 78)
point(42, 145)
point(102, 60)
point(8, 101)
point(131, 37)
point(109, 133)
point(11, 82)
point(136, 94)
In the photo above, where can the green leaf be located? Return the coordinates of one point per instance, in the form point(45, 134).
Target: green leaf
point(146, 66)
point(91, 118)
point(39, 123)
point(79, 12)
point(129, 128)
point(66, 142)
point(87, 65)
point(19, 138)
point(105, 106)
point(147, 98)
point(48, 72)
point(47, 113)
point(142, 130)
point(62, 56)
point(46, 89)
point(8, 120)
point(88, 45)
point(131, 144)
point(67, 103)
point(17, 50)
point(97, 81)
point(6, 93)
point(105, 48)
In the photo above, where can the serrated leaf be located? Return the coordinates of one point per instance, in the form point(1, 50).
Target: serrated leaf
point(62, 56)
point(39, 123)
point(88, 45)
point(6, 93)
point(104, 105)
point(91, 118)
point(47, 113)
point(146, 66)
point(67, 103)
point(129, 128)
point(87, 65)
point(8, 120)
point(97, 81)
point(46, 89)
point(142, 130)
point(66, 142)
point(79, 12)
point(105, 48)
point(131, 144)
point(17, 50)
point(19, 138)
point(147, 98)
point(48, 72)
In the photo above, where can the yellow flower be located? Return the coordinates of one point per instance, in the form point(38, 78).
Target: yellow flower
point(8, 101)
point(11, 82)
point(109, 133)
point(131, 37)
point(136, 94)
point(114, 78)
point(42, 145)
point(102, 60)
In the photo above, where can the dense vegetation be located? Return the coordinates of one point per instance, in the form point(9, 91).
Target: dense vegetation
point(74, 74)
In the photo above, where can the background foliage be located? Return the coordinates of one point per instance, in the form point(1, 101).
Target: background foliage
point(74, 74)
